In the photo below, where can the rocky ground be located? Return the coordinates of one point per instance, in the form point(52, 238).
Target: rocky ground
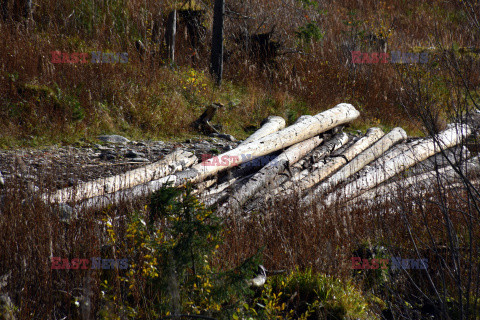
point(68, 165)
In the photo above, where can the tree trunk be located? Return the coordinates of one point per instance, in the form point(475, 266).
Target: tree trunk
point(216, 63)
point(396, 162)
point(359, 159)
point(270, 171)
point(138, 191)
point(4, 9)
point(171, 35)
point(334, 163)
point(175, 161)
point(418, 185)
point(270, 125)
point(291, 135)
point(451, 156)
point(327, 148)
point(27, 9)
point(223, 191)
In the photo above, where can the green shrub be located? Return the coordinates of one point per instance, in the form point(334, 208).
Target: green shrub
point(309, 32)
point(172, 254)
point(309, 295)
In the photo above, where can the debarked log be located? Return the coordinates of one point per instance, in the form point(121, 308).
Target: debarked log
point(300, 131)
point(327, 148)
point(270, 171)
point(334, 163)
point(419, 185)
point(270, 125)
point(295, 172)
point(130, 194)
point(457, 154)
point(395, 163)
point(236, 175)
point(360, 160)
point(175, 161)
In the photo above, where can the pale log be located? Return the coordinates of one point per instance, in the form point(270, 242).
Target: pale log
point(454, 155)
point(384, 169)
point(419, 184)
point(271, 125)
point(360, 160)
point(327, 148)
point(334, 163)
point(308, 128)
point(175, 161)
point(270, 171)
point(130, 194)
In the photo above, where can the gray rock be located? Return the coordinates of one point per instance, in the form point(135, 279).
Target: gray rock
point(72, 181)
point(4, 279)
point(227, 137)
point(2, 181)
point(108, 155)
point(102, 148)
point(139, 159)
point(113, 139)
point(134, 154)
point(32, 188)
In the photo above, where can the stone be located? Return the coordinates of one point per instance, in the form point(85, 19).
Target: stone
point(227, 137)
point(102, 148)
point(108, 155)
point(2, 181)
point(113, 139)
point(134, 154)
point(139, 159)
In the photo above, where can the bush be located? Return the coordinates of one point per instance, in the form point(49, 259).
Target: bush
point(309, 295)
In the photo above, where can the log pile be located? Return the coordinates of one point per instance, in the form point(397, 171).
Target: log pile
point(312, 159)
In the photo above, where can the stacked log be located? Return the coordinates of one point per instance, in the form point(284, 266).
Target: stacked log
point(396, 162)
point(312, 158)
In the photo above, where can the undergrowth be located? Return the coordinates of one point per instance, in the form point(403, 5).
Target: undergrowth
point(309, 71)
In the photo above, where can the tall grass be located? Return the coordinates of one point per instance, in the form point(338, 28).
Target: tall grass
point(42, 101)
point(146, 98)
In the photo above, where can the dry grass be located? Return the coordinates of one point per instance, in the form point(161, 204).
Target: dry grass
point(43, 103)
point(144, 98)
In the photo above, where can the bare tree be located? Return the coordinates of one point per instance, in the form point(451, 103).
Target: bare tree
point(171, 34)
point(216, 62)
